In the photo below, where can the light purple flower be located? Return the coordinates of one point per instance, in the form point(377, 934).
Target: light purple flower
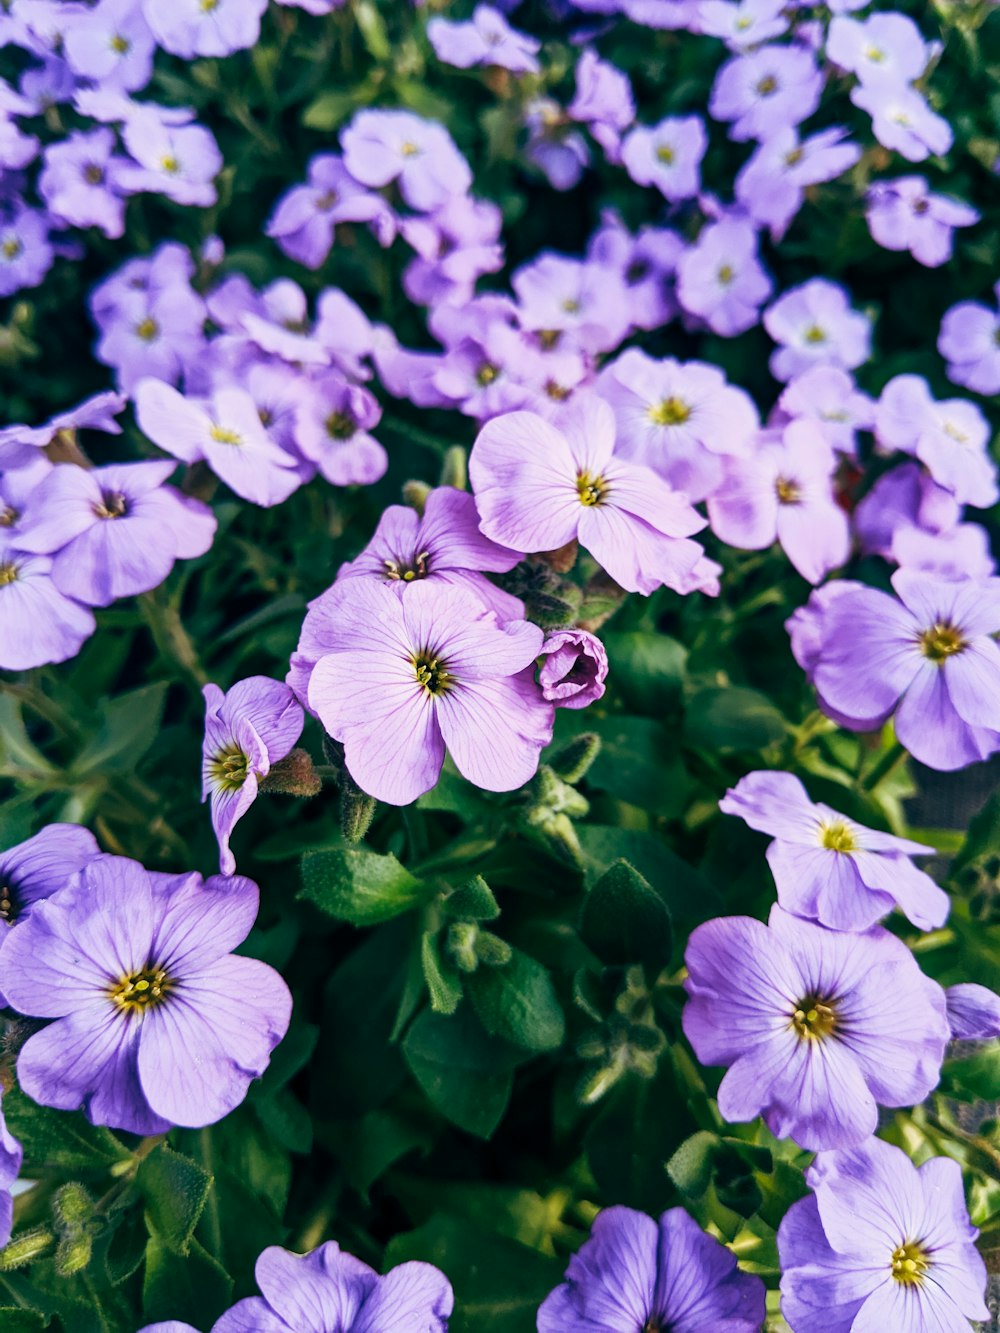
point(883, 48)
point(721, 280)
point(646, 264)
point(829, 868)
point(584, 301)
point(331, 430)
point(83, 182)
point(192, 28)
point(783, 492)
point(667, 155)
point(766, 90)
point(38, 625)
point(248, 728)
point(880, 1244)
point(403, 677)
point(112, 44)
point(113, 531)
point(815, 325)
point(420, 155)
point(635, 1273)
point(573, 669)
point(828, 396)
point(26, 252)
point(930, 656)
point(678, 418)
point(540, 484)
point(603, 101)
point(903, 121)
point(969, 341)
point(455, 246)
point(818, 1027)
point(329, 1291)
point(304, 218)
point(179, 161)
point(903, 214)
point(156, 1022)
point(225, 432)
point(973, 1012)
point(951, 438)
point(485, 39)
point(11, 1156)
point(744, 24)
point(771, 185)
point(554, 146)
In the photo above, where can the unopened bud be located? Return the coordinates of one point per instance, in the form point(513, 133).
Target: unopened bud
point(73, 1253)
point(415, 494)
point(455, 468)
point(555, 832)
point(551, 792)
point(491, 950)
point(293, 776)
point(73, 1207)
point(25, 1249)
point(461, 946)
point(563, 559)
point(572, 760)
point(357, 810)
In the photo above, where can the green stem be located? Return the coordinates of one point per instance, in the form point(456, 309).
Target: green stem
point(171, 638)
point(213, 1222)
point(892, 757)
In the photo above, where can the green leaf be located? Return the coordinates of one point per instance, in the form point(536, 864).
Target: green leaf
point(19, 757)
point(58, 1138)
point(689, 896)
point(359, 886)
point(975, 1077)
point(472, 902)
point(625, 921)
point(732, 717)
point(465, 1073)
point(518, 1002)
point(369, 1146)
point(690, 1168)
point(15, 1320)
point(175, 1190)
point(127, 727)
point(638, 760)
point(648, 669)
point(195, 1288)
point(444, 985)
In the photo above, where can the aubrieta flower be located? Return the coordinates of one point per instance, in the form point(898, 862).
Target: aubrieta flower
point(581, 300)
point(404, 677)
point(156, 1022)
point(720, 277)
point(574, 667)
point(554, 146)
point(951, 438)
point(113, 531)
point(111, 44)
point(40, 625)
point(540, 484)
point(84, 181)
point(818, 1027)
point(455, 245)
point(26, 252)
point(678, 418)
point(881, 1244)
point(331, 430)
point(744, 24)
point(191, 28)
point(419, 155)
point(225, 432)
point(766, 90)
point(20, 445)
point(828, 396)
point(11, 1156)
point(969, 341)
point(973, 1012)
point(930, 657)
point(646, 264)
point(829, 868)
point(903, 214)
point(667, 155)
point(248, 728)
point(783, 491)
point(814, 324)
point(903, 121)
point(883, 48)
point(305, 218)
point(771, 185)
point(329, 1291)
point(484, 39)
point(603, 101)
point(635, 1273)
point(178, 161)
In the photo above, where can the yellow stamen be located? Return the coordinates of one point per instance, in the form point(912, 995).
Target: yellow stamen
point(837, 837)
point(223, 435)
point(228, 769)
point(940, 642)
point(591, 490)
point(432, 674)
point(788, 492)
point(142, 990)
point(814, 1019)
point(910, 1263)
point(669, 412)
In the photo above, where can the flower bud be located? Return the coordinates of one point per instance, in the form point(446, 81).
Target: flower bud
point(415, 494)
point(73, 1207)
point(573, 670)
point(455, 468)
point(73, 1253)
point(293, 776)
point(25, 1249)
point(572, 760)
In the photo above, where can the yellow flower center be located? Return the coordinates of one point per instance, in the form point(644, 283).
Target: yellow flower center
point(326, 201)
point(910, 1263)
point(793, 158)
point(787, 491)
point(837, 837)
point(207, 6)
point(486, 374)
point(11, 248)
point(432, 673)
point(170, 164)
point(396, 569)
point(7, 908)
point(409, 149)
point(120, 45)
point(148, 330)
point(571, 306)
point(875, 54)
point(591, 490)
point(340, 425)
point(767, 85)
point(814, 334)
point(665, 153)
point(112, 505)
point(93, 174)
point(814, 1018)
point(8, 517)
point(8, 573)
point(138, 991)
point(223, 435)
point(725, 274)
point(669, 412)
point(940, 642)
point(228, 769)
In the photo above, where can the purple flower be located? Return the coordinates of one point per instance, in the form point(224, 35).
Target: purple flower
point(247, 729)
point(903, 214)
point(455, 246)
point(82, 182)
point(930, 656)
point(883, 48)
point(555, 148)
point(818, 1027)
point(225, 432)
point(442, 545)
point(973, 1012)
point(970, 342)
point(771, 186)
point(646, 264)
point(828, 396)
point(540, 484)
point(902, 120)
point(179, 161)
point(384, 146)
point(39, 625)
point(829, 868)
point(574, 668)
point(19, 445)
point(603, 100)
point(156, 1022)
point(583, 300)
point(113, 531)
point(678, 418)
point(11, 1157)
point(815, 325)
point(485, 39)
point(667, 155)
point(766, 90)
point(720, 278)
point(880, 1244)
point(112, 45)
point(304, 219)
point(400, 678)
point(26, 253)
point(783, 492)
point(635, 1274)
point(331, 430)
point(329, 1291)
point(192, 28)
point(951, 438)
point(744, 24)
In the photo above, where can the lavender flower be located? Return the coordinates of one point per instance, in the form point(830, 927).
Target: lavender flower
point(331, 430)
point(634, 1274)
point(555, 148)
point(305, 218)
point(11, 1157)
point(815, 325)
point(40, 625)
point(455, 246)
point(903, 214)
point(26, 253)
point(829, 868)
point(766, 90)
point(818, 1027)
point(930, 656)
point(83, 182)
point(559, 295)
point(883, 48)
point(880, 1243)
point(384, 146)
point(111, 44)
point(179, 161)
point(574, 668)
point(247, 729)
point(329, 1291)
point(721, 280)
point(771, 185)
point(970, 342)
point(539, 485)
point(828, 396)
point(485, 39)
point(646, 264)
point(191, 28)
point(973, 1012)
point(903, 121)
point(744, 24)
point(603, 101)
point(667, 155)
point(156, 1022)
